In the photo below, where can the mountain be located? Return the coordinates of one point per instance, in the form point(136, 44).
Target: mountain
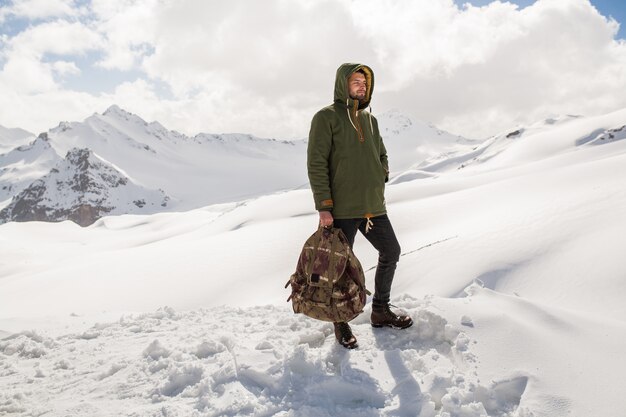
point(193, 171)
point(414, 144)
point(25, 164)
point(82, 188)
point(205, 169)
point(521, 146)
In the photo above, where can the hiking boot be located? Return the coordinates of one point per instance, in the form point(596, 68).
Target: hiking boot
point(382, 316)
point(344, 335)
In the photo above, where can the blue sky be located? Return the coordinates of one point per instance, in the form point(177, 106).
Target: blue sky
point(266, 67)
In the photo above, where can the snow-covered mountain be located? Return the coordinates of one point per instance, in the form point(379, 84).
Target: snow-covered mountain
point(192, 171)
point(414, 144)
point(25, 164)
point(82, 188)
point(520, 146)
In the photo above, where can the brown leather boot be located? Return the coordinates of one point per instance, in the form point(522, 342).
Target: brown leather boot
point(382, 316)
point(344, 335)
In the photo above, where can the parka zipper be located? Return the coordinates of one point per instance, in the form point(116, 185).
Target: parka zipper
point(357, 127)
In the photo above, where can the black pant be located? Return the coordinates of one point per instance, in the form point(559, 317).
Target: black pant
point(383, 238)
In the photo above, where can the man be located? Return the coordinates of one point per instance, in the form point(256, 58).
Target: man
point(347, 167)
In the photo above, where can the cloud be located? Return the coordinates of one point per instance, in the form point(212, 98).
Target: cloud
point(65, 68)
point(266, 67)
point(128, 27)
point(58, 37)
point(39, 9)
point(259, 48)
point(32, 55)
point(554, 57)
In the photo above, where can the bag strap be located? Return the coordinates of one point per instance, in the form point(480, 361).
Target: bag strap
point(317, 239)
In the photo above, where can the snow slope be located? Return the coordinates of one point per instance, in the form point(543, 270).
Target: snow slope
point(511, 267)
point(11, 138)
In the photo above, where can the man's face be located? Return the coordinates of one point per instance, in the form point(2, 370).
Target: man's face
point(357, 86)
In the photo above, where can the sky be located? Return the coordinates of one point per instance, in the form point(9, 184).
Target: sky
point(473, 68)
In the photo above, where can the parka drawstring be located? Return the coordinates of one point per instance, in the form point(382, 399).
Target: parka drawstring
point(369, 223)
point(350, 117)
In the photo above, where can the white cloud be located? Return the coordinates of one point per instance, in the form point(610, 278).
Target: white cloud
point(472, 70)
point(266, 67)
point(40, 9)
point(24, 74)
point(257, 47)
point(426, 39)
point(57, 37)
point(128, 26)
point(27, 69)
point(38, 112)
point(552, 58)
point(65, 68)
point(259, 67)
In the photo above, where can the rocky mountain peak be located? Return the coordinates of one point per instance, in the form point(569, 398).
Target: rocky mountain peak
point(80, 158)
point(117, 113)
point(114, 110)
point(81, 188)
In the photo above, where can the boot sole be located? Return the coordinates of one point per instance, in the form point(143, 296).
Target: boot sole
point(378, 326)
point(348, 345)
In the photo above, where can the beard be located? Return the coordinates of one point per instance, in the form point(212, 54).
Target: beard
point(358, 96)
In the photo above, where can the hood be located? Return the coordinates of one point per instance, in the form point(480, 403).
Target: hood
point(341, 84)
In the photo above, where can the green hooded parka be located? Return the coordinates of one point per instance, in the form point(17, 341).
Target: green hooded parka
point(346, 158)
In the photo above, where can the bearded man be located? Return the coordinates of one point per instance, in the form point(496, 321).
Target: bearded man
point(347, 167)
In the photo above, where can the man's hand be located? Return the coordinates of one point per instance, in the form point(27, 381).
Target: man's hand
point(326, 218)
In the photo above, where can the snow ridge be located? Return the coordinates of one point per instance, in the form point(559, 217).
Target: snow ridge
point(13, 137)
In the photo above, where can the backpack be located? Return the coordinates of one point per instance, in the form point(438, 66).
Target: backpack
point(329, 283)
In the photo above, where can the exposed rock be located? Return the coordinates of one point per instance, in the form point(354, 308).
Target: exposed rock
point(82, 188)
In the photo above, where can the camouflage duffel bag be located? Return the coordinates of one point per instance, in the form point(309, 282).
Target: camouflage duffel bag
point(329, 283)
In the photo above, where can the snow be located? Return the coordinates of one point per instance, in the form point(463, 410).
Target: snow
point(511, 268)
point(268, 362)
point(11, 138)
